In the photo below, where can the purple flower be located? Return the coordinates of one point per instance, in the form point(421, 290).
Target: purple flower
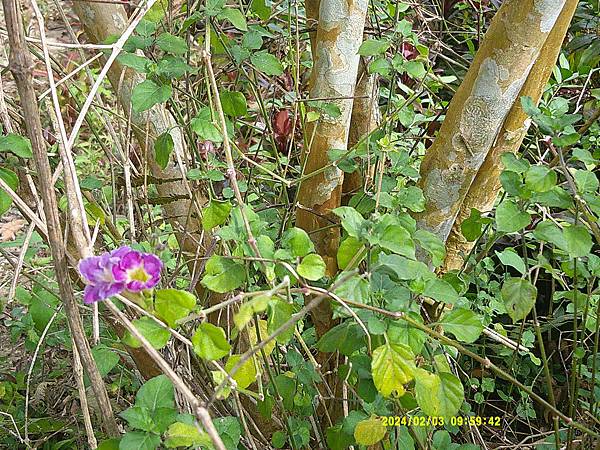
point(123, 268)
point(137, 270)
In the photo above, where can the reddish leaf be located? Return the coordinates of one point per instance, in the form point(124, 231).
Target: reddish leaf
point(282, 127)
point(409, 51)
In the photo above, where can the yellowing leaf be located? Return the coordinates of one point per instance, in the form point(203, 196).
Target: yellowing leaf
point(392, 367)
point(245, 375)
point(256, 305)
point(438, 394)
point(369, 431)
point(262, 325)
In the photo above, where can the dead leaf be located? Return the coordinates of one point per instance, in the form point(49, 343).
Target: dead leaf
point(9, 230)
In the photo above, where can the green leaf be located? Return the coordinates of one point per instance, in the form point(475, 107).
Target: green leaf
point(404, 268)
point(392, 367)
point(471, 227)
point(16, 144)
point(109, 444)
point(463, 323)
point(138, 440)
point(278, 439)
point(223, 274)
point(529, 106)
point(279, 313)
point(158, 392)
point(252, 40)
point(337, 439)
point(566, 140)
point(10, 178)
point(171, 44)
point(438, 395)
point(182, 434)
point(440, 290)
point(433, 245)
point(347, 337)
point(510, 218)
point(372, 47)
point(234, 103)
point(245, 375)
point(402, 332)
point(172, 305)
point(230, 430)
point(157, 11)
point(509, 257)
point(145, 28)
point(415, 69)
point(42, 308)
point(312, 267)
point(215, 214)
point(352, 221)
point(206, 129)
point(173, 67)
point(347, 250)
point(556, 197)
point(586, 181)
point(519, 297)
point(512, 163)
point(266, 63)
point(396, 239)
point(214, 7)
point(380, 65)
point(106, 359)
point(156, 335)
point(260, 8)
point(234, 16)
point(136, 62)
point(297, 240)
point(512, 183)
point(549, 232)
point(138, 417)
point(411, 197)
point(256, 305)
point(578, 239)
point(540, 178)
point(210, 342)
point(147, 94)
point(162, 149)
point(369, 431)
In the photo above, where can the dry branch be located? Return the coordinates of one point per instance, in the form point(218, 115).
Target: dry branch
point(20, 64)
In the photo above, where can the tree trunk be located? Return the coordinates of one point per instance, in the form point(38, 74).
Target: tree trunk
point(101, 20)
point(476, 113)
point(339, 34)
point(365, 111)
point(484, 190)
point(365, 118)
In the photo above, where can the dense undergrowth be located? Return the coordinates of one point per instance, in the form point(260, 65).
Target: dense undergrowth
point(501, 352)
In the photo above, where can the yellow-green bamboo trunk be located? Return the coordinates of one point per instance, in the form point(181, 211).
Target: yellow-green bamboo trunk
point(484, 190)
point(476, 113)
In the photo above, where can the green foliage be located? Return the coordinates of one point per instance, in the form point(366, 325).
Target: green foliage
point(156, 335)
point(391, 296)
point(223, 274)
point(210, 342)
point(519, 297)
point(147, 94)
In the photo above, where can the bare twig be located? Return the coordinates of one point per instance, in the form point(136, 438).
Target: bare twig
point(20, 64)
point(199, 410)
